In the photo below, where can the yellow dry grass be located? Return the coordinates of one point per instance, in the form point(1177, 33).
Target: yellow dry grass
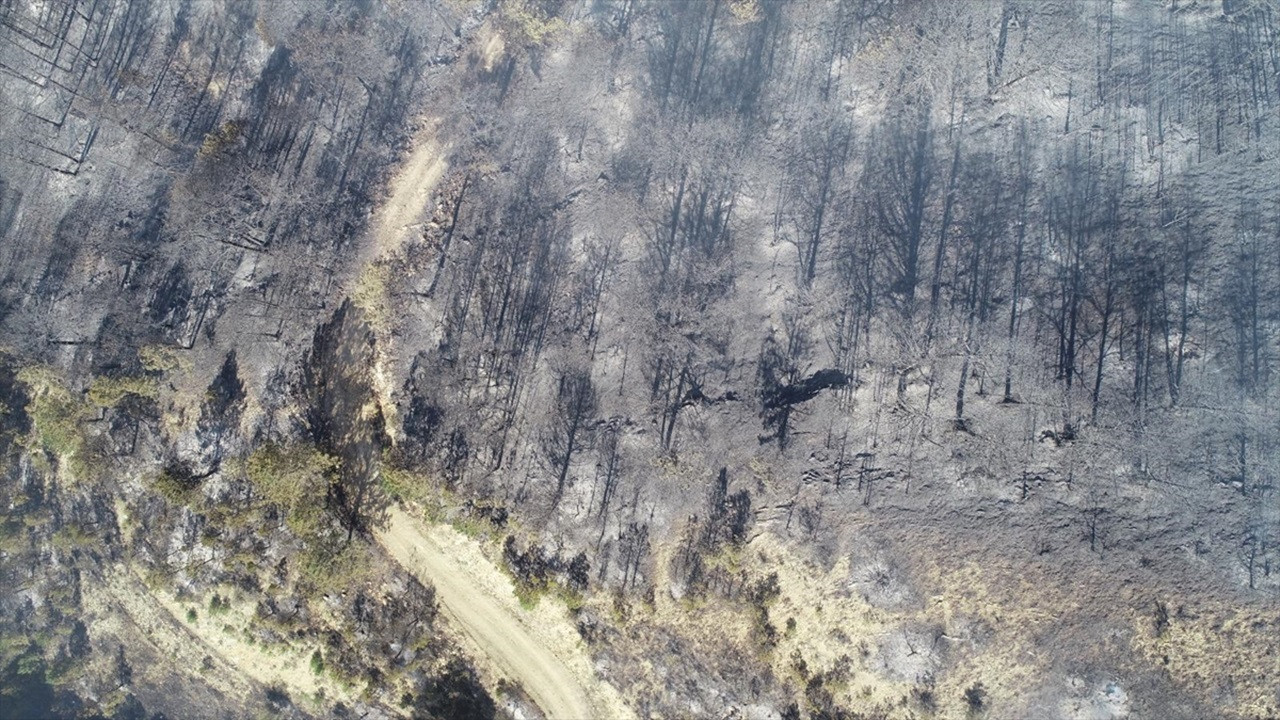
point(829, 623)
point(1213, 648)
point(1008, 606)
point(492, 47)
point(212, 646)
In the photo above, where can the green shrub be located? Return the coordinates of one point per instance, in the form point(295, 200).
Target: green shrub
point(528, 595)
point(176, 486)
point(71, 536)
point(410, 486)
point(161, 359)
point(294, 479)
point(400, 484)
point(108, 392)
point(218, 605)
point(56, 415)
point(330, 566)
point(221, 139)
point(526, 23)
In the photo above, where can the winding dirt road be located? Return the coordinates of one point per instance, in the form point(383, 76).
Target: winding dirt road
point(408, 195)
point(538, 649)
point(517, 642)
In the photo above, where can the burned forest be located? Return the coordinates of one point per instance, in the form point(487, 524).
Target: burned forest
point(768, 359)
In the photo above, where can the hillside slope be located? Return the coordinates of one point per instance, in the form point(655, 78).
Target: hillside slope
point(872, 359)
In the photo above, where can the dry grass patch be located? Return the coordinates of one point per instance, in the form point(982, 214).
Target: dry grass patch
point(1216, 650)
point(832, 627)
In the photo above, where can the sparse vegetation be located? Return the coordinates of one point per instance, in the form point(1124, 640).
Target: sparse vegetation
point(177, 485)
point(296, 480)
point(162, 359)
point(72, 536)
point(373, 295)
point(220, 140)
point(56, 418)
point(107, 392)
point(403, 485)
point(845, 359)
point(536, 574)
point(332, 566)
point(218, 605)
point(528, 23)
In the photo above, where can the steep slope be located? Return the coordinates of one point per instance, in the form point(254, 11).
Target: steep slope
point(837, 359)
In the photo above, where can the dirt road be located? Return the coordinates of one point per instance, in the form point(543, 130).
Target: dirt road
point(408, 195)
point(537, 649)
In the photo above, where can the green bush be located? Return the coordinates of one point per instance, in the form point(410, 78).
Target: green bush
point(220, 139)
point(218, 605)
point(527, 23)
point(108, 392)
point(398, 483)
point(330, 566)
point(178, 487)
point(56, 415)
point(294, 479)
point(161, 359)
point(528, 595)
point(71, 536)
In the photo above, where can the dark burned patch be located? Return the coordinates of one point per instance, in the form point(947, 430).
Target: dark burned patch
point(10, 198)
point(277, 699)
point(341, 412)
point(220, 413)
point(62, 255)
point(425, 417)
point(225, 394)
point(517, 703)
point(278, 87)
point(806, 389)
point(455, 693)
point(172, 299)
point(335, 381)
point(14, 422)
